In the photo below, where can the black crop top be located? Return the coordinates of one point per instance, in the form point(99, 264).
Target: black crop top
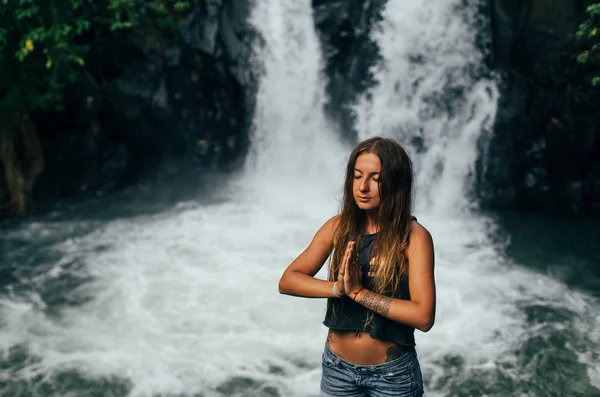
point(350, 315)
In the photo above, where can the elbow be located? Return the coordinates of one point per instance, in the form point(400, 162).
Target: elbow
point(426, 324)
point(282, 286)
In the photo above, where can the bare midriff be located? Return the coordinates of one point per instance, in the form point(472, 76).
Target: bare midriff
point(359, 348)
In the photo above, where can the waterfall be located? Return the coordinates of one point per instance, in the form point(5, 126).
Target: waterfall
point(430, 97)
point(291, 137)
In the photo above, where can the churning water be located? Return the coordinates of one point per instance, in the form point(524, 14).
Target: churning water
point(184, 301)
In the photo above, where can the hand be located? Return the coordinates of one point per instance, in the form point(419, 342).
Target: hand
point(340, 285)
point(352, 273)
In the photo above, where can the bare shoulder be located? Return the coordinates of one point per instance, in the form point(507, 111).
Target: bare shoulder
point(334, 221)
point(421, 241)
point(419, 233)
point(327, 231)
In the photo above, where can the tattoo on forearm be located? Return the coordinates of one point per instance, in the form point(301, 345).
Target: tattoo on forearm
point(380, 304)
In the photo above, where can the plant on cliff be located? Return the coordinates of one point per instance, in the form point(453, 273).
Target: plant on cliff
point(589, 34)
point(44, 46)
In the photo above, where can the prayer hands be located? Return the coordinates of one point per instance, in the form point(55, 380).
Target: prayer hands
point(350, 276)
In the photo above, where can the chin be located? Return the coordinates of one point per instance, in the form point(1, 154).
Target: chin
point(367, 206)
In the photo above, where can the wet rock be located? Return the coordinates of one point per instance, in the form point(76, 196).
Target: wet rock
point(220, 29)
point(187, 104)
point(545, 137)
point(344, 29)
point(243, 386)
point(169, 101)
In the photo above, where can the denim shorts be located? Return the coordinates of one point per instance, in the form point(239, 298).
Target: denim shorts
point(398, 378)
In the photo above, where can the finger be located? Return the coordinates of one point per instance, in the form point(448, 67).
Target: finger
point(350, 247)
point(347, 257)
point(346, 276)
point(347, 251)
point(343, 267)
point(347, 271)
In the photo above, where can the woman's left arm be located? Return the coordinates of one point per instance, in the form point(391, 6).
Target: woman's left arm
point(419, 311)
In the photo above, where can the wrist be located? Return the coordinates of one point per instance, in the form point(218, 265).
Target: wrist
point(353, 295)
point(335, 291)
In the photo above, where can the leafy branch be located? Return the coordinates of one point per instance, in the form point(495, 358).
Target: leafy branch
point(589, 34)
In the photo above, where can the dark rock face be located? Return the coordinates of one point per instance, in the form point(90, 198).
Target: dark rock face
point(189, 104)
point(218, 28)
point(545, 154)
point(192, 101)
point(344, 29)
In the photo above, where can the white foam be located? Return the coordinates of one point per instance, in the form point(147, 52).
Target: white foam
point(180, 303)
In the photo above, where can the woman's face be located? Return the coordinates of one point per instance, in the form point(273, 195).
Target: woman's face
point(365, 187)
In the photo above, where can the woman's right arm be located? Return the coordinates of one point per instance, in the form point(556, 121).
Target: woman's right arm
point(298, 279)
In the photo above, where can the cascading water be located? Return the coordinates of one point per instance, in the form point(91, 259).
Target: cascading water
point(428, 96)
point(184, 302)
point(292, 142)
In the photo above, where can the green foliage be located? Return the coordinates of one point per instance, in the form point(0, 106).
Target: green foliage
point(44, 44)
point(148, 21)
point(38, 54)
point(589, 34)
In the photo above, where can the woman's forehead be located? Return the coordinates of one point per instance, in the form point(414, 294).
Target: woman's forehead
point(368, 162)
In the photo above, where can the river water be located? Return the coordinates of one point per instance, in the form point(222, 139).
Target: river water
point(171, 289)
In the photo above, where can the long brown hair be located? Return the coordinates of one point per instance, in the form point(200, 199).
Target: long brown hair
point(393, 216)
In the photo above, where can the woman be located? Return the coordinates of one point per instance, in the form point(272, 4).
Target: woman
point(381, 284)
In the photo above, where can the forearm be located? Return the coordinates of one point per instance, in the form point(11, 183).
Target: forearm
point(402, 311)
point(300, 284)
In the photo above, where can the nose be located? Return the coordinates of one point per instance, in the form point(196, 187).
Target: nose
point(364, 186)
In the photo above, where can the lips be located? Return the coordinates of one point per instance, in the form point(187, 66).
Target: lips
point(363, 199)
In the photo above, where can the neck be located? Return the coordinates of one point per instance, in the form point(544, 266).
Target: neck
point(371, 225)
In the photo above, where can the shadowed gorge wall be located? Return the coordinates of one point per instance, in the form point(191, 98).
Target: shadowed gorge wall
point(545, 155)
point(126, 110)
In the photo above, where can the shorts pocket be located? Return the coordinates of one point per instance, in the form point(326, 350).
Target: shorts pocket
point(328, 362)
point(400, 376)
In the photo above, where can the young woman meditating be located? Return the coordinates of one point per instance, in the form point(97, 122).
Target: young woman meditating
point(381, 278)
